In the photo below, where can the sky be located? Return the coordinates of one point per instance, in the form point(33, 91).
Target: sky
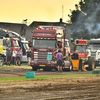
point(15, 11)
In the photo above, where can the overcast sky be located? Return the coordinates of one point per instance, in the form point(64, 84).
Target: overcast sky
point(15, 11)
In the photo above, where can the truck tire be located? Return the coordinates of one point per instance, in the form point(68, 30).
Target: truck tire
point(34, 68)
point(2, 63)
point(90, 62)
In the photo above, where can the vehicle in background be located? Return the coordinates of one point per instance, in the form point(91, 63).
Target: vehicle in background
point(23, 43)
point(93, 50)
point(6, 42)
point(81, 46)
point(46, 42)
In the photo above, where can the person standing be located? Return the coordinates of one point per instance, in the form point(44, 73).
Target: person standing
point(21, 56)
point(18, 56)
point(59, 57)
point(28, 57)
point(9, 53)
point(75, 55)
point(14, 56)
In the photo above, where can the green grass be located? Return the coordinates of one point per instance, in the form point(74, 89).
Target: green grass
point(23, 64)
point(44, 77)
point(6, 67)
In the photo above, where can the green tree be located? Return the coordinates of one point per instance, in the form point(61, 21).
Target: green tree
point(85, 19)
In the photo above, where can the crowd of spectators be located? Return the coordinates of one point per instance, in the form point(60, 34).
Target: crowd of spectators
point(16, 56)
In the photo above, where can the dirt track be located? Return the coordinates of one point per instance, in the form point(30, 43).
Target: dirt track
point(19, 71)
point(79, 88)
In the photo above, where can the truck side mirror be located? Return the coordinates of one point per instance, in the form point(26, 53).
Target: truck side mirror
point(29, 43)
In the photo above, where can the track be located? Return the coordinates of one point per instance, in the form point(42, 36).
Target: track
point(78, 88)
point(18, 72)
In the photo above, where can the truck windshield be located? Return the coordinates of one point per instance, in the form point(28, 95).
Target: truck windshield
point(51, 44)
point(16, 43)
point(25, 46)
point(81, 48)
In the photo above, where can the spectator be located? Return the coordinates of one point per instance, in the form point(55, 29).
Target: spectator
point(21, 56)
point(18, 56)
point(14, 56)
point(59, 57)
point(75, 55)
point(28, 57)
point(9, 53)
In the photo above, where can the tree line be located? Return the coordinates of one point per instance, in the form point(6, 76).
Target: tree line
point(85, 19)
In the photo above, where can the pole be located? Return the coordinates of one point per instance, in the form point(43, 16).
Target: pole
point(62, 12)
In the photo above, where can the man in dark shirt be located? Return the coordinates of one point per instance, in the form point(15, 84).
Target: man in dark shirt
point(75, 55)
point(28, 56)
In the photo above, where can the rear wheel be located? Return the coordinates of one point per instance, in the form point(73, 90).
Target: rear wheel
point(90, 62)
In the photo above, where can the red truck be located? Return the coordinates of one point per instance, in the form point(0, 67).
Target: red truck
point(46, 42)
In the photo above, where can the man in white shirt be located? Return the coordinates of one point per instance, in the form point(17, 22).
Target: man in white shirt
point(14, 56)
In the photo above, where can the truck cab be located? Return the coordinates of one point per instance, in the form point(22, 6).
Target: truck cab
point(44, 47)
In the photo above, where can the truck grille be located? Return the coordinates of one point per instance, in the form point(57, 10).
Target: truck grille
point(41, 57)
point(93, 54)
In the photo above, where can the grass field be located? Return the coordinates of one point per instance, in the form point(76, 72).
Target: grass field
point(6, 67)
point(44, 77)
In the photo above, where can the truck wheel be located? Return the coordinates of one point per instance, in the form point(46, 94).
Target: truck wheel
point(34, 68)
point(90, 62)
point(2, 61)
